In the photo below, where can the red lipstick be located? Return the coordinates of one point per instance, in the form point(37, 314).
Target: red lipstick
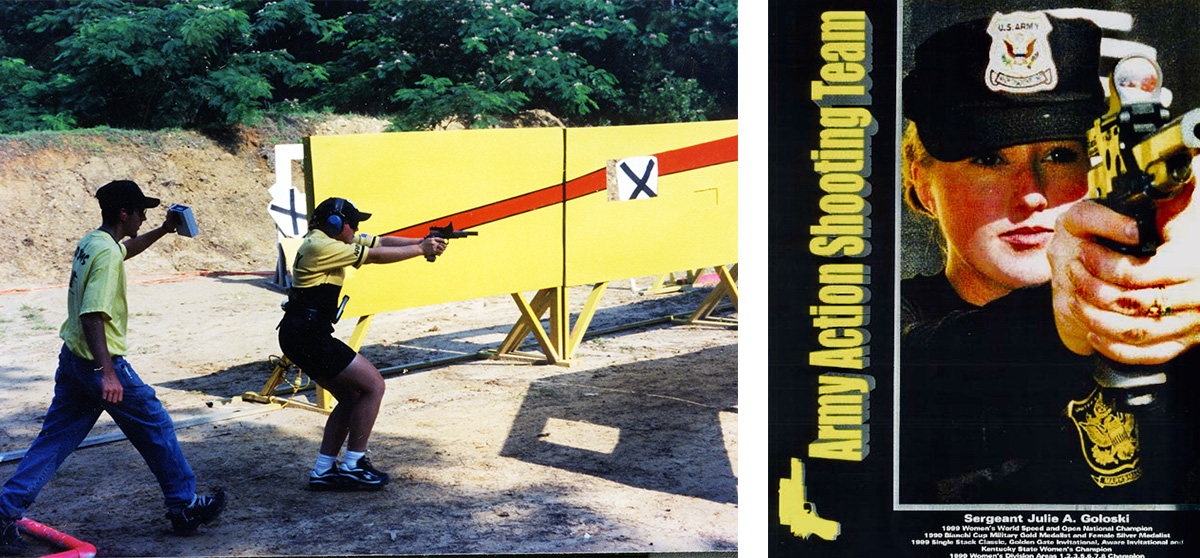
point(1025, 238)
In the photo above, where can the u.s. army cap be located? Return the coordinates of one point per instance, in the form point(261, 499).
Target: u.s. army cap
point(1011, 79)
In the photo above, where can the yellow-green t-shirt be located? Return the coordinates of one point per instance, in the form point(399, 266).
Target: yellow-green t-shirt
point(322, 260)
point(97, 285)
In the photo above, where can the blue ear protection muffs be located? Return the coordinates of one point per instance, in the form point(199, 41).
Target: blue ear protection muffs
point(332, 225)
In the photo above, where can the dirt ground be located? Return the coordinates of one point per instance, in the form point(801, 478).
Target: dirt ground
point(631, 448)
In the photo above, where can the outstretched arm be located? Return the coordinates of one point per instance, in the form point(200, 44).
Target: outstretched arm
point(392, 251)
point(138, 244)
point(398, 241)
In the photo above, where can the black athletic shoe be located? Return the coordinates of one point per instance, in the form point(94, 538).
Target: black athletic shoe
point(329, 480)
point(11, 543)
point(363, 476)
point(202, 510)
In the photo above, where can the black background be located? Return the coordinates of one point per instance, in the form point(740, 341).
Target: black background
point(856, 494)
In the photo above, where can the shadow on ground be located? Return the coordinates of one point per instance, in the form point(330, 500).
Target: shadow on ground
point(665, 432)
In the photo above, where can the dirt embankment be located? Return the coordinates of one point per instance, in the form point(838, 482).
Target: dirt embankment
point(48, 183)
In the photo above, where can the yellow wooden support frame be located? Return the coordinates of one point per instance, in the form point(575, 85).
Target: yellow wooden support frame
point(726, 288)
point(559, 344)
point(585, 317)
point(325, 400)
point(267, 393)
point(531, 322)
point(668, 283)
point(660, 286)
point(559, 319)
point(531, 312)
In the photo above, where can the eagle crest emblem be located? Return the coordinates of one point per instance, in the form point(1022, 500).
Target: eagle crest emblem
point(1108, 438)
point(1020, 60)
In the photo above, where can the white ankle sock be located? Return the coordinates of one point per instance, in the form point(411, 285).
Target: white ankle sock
point(351, 458)
point(324, 463)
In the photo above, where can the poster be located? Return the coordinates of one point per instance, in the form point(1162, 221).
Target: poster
point(841, 241)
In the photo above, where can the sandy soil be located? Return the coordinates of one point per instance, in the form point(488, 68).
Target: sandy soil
point(633, 447)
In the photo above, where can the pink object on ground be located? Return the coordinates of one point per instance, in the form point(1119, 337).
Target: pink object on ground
point(75, 547)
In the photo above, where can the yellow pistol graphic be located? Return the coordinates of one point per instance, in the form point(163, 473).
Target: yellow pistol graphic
point(798, 513)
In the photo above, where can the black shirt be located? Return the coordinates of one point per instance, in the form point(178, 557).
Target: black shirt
point(985, 393)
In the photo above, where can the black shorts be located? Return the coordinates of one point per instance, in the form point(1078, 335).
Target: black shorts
point(310, 344)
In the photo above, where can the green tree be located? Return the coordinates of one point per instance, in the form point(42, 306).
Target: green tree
point(28, 99)
point(693, 76)
point(28, 96)
point(203, 63)
point(389, 46)
point(588, 61)
point(166, 64)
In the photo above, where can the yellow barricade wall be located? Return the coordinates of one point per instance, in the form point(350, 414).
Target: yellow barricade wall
point(691, 224)
point(487, 181)
point(543, 220)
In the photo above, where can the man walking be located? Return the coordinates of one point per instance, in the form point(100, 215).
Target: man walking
point(93, 375)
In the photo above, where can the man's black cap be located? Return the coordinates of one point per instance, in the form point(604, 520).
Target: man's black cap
point(124, 194)
point(1011, 79)
point(347, 211)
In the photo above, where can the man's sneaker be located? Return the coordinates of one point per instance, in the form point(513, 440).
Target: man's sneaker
point(11, 543)
point(202, 510)
point(363, 476)
point(329, 480)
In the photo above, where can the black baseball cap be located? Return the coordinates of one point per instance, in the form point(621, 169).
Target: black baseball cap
point(350, 214)
point(1014, 78)
point(124, 194)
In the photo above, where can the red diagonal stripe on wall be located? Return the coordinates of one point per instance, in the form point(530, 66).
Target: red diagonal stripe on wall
point(684, 159)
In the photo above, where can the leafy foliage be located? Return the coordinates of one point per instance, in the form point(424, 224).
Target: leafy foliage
point(204, 63)
point(164, 64)
point(29, 95)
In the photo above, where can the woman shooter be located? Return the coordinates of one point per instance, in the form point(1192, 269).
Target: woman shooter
point(306, 337)
point(994, 406)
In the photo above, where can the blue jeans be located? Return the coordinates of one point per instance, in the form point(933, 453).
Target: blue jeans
point(76, 405)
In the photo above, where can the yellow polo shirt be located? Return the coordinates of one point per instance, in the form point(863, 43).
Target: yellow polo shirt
point(322, 260)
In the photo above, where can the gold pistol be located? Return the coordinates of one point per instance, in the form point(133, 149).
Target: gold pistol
point(1139, 157)
point(798, 513)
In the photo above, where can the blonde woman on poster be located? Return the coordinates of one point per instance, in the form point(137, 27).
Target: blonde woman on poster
point(999, 396)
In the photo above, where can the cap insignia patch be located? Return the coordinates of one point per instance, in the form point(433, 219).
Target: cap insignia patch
point(1020, 60)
